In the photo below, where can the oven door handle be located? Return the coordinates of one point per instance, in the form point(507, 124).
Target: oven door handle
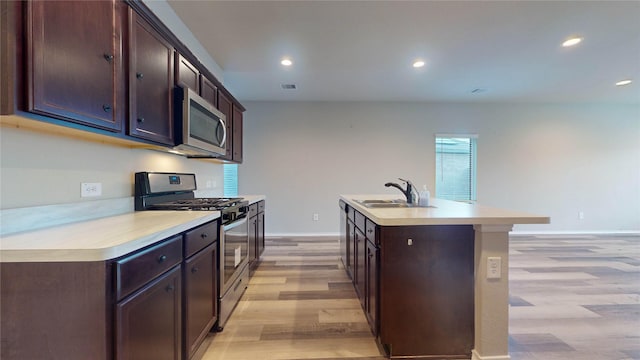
point(234, 224)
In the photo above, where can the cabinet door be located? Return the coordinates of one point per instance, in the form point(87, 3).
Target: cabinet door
point(150, 83)
point(201, 295)
point(209, 91)
point(372, 286)
point(361, 254)
point(186, 74)
point(148, 323)
point(260, 235)
point(253, 239)
point(225, 106)
point(75, 61)
point(237, 134)
point(351, 242)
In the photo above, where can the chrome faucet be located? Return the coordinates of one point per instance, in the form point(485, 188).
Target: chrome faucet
point(410, 192)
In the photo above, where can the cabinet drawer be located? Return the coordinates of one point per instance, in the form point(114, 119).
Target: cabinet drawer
point(371, 231)
point(360, 221)
point(261, 206)
point(198, 238)
point(253, 210)
point(138, 269)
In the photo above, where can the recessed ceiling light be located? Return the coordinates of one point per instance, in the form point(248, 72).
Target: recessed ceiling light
point(624, 82)
point(418, 64)
point(286, 62)
point(574, 40)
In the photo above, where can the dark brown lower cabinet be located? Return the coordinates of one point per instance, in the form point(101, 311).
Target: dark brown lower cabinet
point(200, 300)
point(361, 254)
point(426, 300)
point(147, 319)
point(149, 304)
point(260, 234)
point(55, 310)
point(416, 286)
point(256, 234)
point(371, 282)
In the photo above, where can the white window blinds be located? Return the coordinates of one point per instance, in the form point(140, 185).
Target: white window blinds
point(456, 167)
point(230, 180)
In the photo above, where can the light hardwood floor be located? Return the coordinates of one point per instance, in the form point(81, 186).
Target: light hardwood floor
point(572, 297)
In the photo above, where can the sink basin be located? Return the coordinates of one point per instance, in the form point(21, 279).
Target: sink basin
point(380, 201)
point(388, 205)
point(384, 203)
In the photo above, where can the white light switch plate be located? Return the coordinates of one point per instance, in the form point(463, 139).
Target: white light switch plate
point(494, 265)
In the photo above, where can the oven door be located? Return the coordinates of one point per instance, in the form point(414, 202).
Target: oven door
point(234, 247)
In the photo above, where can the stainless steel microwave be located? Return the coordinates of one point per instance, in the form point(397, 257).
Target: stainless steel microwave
point(200, 127)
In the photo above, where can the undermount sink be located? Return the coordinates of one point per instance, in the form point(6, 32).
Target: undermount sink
point(383, 203)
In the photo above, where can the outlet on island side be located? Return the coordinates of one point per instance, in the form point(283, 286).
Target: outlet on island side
point(494, 270)
point(315, 217)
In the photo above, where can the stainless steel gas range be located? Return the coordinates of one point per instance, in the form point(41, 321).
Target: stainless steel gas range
point(175, 191)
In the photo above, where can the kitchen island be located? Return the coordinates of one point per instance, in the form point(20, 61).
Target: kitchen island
point(433, 281)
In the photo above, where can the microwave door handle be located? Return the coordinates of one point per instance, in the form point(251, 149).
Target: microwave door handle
point(224, 132)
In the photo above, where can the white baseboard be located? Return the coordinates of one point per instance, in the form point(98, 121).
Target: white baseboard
point(287, 235)
point(575, 232)
point(476, 356)
point(548, 233)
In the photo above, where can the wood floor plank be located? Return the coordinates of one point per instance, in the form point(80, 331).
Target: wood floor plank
point(571, 297)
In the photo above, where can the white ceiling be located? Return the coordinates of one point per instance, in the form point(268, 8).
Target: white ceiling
point(363, 50)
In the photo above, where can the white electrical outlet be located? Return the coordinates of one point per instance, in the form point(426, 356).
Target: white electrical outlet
point(581, 215)
point(90, 189)
point(315, 217)
point(494, 265)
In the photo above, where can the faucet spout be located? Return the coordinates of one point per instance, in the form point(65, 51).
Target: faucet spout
point(410, 192)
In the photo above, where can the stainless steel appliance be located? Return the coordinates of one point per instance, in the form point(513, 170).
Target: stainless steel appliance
point(200, 127)
point(175, 191)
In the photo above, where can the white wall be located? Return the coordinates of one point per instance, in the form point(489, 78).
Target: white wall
point(554, 160)
point(38, 168)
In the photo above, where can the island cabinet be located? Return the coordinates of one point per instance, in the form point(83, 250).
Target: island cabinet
point(151, 82)
point(416, 286)
point(365, 277)
point(75, 63)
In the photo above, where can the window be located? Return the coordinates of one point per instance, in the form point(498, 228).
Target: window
point(456, 167)
point(230, 180)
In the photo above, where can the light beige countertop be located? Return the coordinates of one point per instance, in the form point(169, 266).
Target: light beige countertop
point(99, 239)
point(252, 199)
point(443, 212)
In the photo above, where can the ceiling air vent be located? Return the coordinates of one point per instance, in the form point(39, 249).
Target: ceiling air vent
point(289, 86)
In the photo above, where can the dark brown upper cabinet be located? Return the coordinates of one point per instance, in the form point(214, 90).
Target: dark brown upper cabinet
point(225, 106)
point(151, 82)
point(209, 91)
point(75, 67)
point(237, 134)
point(186, 74)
